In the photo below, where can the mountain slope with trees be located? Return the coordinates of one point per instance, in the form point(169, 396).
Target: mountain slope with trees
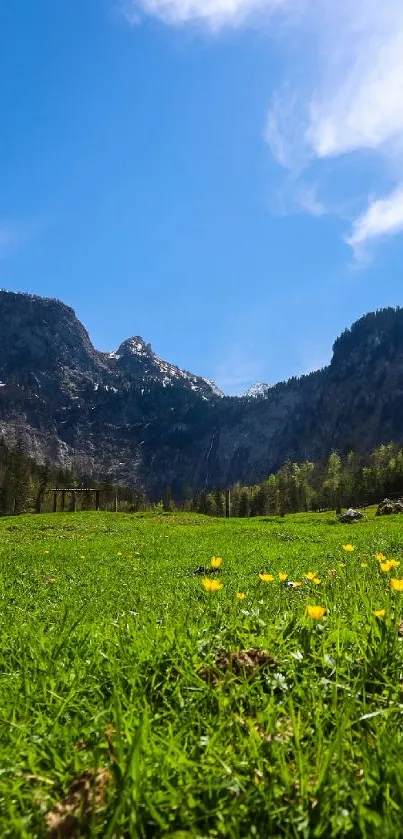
point(340, 481)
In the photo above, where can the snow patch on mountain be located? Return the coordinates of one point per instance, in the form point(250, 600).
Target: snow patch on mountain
point(259, 389)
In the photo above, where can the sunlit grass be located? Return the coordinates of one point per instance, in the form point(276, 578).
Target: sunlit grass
point(105, 625)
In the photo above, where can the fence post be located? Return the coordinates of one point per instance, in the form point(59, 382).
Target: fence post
point(116, 500)
point(55, 502)
point(228, 504)
point(97, 499)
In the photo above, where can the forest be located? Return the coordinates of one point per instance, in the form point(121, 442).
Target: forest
point(345, 480)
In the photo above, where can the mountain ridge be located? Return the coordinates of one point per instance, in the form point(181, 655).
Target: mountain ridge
point(136, 419)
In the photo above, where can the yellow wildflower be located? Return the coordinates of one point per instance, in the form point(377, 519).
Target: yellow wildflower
point(397, 585)
point(385, 566)
point(315, 612)
point(310, 575)
point(298, 583)
point(240, 595)
point(348, 548)
point(282, 576)
point(364, 565)
point(216, 561)
point(393, 563)
point(211, 585)
point(380, 557)
point(317, 581)
point(266, 578)
point(379, 613)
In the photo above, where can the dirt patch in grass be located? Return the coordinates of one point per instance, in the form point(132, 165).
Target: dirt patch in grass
point(243, 663)
point(70, 816)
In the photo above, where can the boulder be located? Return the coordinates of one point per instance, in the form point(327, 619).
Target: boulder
point(386, 507)
point(350, 516)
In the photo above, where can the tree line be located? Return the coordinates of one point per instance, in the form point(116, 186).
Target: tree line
point(351, 480)
point(26, 486)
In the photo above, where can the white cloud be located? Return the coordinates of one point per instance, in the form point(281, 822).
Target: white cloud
point(214, 13)
point(352, 103)
point(383, 217)
point(360, 101)
point(342, 92)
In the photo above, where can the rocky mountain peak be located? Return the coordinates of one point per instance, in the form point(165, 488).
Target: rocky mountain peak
point(134, 346)
point(259, 389)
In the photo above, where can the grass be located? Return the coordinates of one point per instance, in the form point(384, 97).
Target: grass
point(104, 628)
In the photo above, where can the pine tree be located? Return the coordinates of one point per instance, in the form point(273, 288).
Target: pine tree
point(333, 480)
point(244, 503)
point(220, 502)
point(19, 484)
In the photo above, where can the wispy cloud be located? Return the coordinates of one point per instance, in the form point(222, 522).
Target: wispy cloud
point(383, 217)
point(237, 371)
point(10, 237)
point(216, 14)
point(353, 104)
point(342, 91)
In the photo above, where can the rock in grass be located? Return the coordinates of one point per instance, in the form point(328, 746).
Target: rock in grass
point(350, 516)
point(387, 507)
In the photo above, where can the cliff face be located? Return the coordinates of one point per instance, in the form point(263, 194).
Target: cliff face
point(141, 421)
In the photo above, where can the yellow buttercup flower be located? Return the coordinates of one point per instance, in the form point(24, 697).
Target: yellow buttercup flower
point(317, 581)
point(298, 583)
point(310, 575)
point(282, 576)
point(397, 585)
point(364, 565)
point(348, 548)
point(379, 613)
point(380, 557)
point(393, 563)
point(240, 595)
point(216, 561)
point(211, 585)
point(266, 578)
point(385, 566)
point(315, 612)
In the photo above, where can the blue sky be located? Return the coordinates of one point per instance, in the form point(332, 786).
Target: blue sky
point(222, 177)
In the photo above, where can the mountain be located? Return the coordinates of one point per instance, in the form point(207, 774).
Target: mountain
point(136, 360)
point(133, 418)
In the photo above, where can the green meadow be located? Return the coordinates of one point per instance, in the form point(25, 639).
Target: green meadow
point(128, 708)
